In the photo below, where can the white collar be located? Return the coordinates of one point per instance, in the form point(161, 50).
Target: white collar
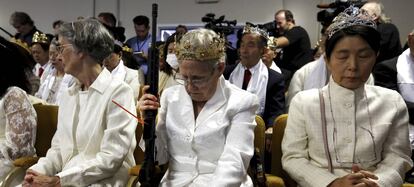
point(119, 72)
point(257, 84)
point(405, 75)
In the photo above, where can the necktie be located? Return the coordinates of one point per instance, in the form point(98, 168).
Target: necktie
point(41, 71)
point(246, 79)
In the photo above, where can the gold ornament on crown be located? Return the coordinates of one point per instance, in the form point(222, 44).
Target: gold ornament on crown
point(126, 49)
point(215, 50)
point(21, 43)
point(40, 38)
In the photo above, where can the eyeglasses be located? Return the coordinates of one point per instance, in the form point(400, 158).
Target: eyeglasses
point(368, 155)
point(61, 48)
point(196, 81)
point(361, 154)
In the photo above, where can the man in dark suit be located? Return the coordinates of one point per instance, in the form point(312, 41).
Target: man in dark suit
point(385, 74)
point(397, 74)
point(252, 74)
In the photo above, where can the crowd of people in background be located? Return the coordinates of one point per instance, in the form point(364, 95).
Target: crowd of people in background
point(346, 125)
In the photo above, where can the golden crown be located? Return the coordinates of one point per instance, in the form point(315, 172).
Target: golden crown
point(40, 38)
point(214, 50)
point(21, 43)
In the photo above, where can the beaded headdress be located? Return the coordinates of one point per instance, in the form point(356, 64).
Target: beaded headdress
point(248, 29)
point(40, 38)
point(349, 17)
point(214, 50)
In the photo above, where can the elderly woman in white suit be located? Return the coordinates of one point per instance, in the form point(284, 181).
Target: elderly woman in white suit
point(95, 139)
point(348, 133)
point(206, 126)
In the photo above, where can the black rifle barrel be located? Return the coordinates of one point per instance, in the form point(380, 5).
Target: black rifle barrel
point(4, 30)
point(147, 175)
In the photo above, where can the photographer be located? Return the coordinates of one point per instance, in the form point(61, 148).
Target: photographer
point(224, 28)
point(294, 42)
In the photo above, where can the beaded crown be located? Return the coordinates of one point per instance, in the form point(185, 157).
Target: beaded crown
point(40, 38)
point(214, 50)
point(252, 29)
point(349, 17)
point(21, 44)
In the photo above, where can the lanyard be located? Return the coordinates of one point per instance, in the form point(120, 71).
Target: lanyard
point(139, 47)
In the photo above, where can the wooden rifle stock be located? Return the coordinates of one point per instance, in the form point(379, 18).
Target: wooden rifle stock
point(147, 176)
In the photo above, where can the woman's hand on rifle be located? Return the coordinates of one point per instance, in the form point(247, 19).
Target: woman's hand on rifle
point(147, 101)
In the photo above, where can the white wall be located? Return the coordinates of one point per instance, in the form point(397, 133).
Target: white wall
point(173, 12)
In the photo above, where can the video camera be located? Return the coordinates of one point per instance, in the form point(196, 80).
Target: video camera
point(325, 17)
point(219, 25)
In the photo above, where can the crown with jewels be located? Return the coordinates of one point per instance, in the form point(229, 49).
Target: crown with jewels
point(40, 38)
point(215, 50)
point(21, 43)
point(349, 17)
point(250, 29)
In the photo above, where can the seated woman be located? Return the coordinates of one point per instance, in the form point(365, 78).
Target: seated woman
point(95, 139)
point(17, 115)
point(51, 82)
point(205, 130)
point(348, 133)
point(168, 64)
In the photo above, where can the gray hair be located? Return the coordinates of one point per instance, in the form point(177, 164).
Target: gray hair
point(89, 36)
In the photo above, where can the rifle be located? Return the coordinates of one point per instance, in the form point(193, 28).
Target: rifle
point(147, 176)
point(4, 30)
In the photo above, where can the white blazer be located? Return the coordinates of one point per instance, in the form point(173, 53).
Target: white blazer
point(367, 126)
point(96, 147)
point(213, 149)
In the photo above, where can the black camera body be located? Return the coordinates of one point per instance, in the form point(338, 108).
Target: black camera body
point(325, 17)
point(219, 25)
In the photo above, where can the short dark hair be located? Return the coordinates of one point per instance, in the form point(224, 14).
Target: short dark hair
point(15, 65)
point(108, 17)
point(57, 23)
point(262, 42)
point(181, 26)
point(369, 34)
point(141, 20)
point(21, 18)
point(288, 15)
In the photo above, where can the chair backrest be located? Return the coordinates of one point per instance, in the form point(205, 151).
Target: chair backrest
point(47, 117)
point(259, 134)
point(277, 136)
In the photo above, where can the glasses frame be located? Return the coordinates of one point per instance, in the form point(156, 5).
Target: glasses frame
point(61, 48)
point(199, 82)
